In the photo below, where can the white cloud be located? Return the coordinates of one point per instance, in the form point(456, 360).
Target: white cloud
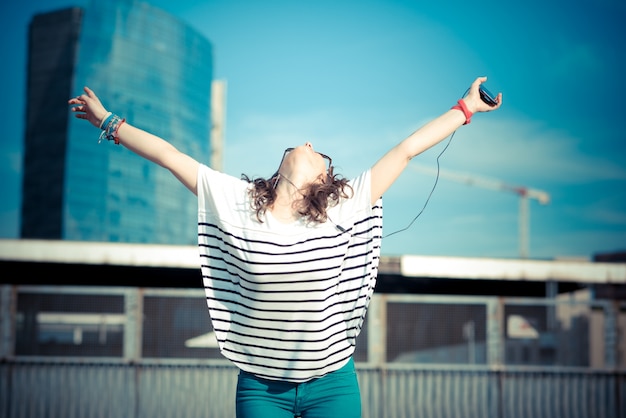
point(516, 151)
point(520, 149)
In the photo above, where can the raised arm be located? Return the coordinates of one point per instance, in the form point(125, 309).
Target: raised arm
point(87, 106)
point(390, 166)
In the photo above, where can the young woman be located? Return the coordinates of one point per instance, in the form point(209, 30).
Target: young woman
point(289, 263)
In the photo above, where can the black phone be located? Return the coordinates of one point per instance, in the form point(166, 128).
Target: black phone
point(486, 96)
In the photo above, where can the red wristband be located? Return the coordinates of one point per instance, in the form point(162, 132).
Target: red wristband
point(463, 108)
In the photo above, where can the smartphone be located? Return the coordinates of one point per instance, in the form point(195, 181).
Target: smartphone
point(486, 96)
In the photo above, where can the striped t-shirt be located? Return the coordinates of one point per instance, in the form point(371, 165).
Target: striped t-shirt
point(286, 301)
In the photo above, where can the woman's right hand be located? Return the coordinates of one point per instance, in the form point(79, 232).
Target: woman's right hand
point(87, 106)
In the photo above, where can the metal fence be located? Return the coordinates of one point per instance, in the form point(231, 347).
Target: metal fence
point(128, 352)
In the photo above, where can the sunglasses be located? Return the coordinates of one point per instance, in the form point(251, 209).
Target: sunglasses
point(329, 161)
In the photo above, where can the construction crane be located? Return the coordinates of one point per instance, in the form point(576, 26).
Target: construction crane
point(524, 193)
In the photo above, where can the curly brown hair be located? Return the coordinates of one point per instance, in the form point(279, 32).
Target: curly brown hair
point(316, 197)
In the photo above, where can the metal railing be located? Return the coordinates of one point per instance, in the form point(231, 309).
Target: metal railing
point(128, 352)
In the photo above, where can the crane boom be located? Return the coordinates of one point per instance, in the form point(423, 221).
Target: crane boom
point(523, 192)
point(484, 182)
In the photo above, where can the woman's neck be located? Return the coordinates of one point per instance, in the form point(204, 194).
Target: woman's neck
point(288, 200)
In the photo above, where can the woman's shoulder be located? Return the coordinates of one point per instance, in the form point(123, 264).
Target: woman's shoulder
point(217, 189)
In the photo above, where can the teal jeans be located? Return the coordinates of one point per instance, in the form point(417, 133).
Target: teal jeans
point(334, 395)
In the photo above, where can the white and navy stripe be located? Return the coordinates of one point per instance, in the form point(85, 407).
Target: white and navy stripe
point(286, 302)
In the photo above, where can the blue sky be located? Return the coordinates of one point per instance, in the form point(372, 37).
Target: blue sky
point(356, 77)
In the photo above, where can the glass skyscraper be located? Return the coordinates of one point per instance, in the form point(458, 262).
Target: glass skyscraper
point(146, 66)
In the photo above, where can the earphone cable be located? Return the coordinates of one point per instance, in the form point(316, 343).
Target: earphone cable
point(434, 184)
point(429, 194)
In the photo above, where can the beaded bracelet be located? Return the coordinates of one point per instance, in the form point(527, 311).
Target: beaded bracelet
point(106, 119)
point(110, 127)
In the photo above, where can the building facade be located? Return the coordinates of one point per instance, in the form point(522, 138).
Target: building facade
point(148, 67)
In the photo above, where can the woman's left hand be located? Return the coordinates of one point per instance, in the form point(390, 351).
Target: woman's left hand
point(473, 101)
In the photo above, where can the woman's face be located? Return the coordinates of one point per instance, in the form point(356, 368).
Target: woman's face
point(303, 162)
